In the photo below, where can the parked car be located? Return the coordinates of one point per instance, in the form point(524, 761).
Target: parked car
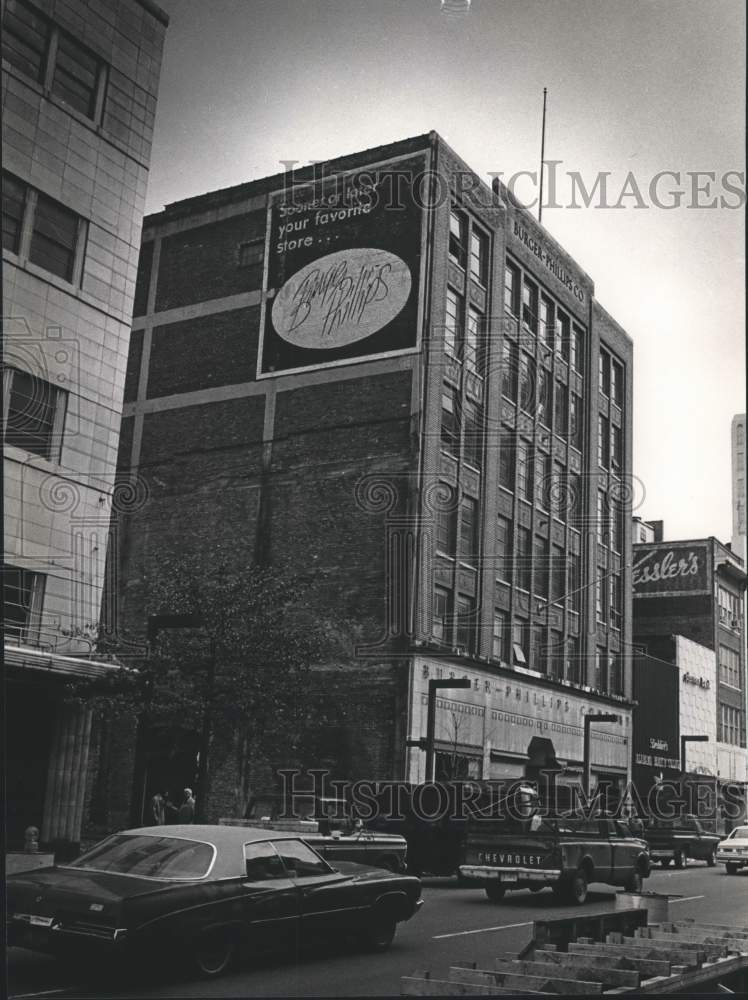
point(732, 852)
point(524, 849)
point(679, 839)
point(332, 829)
point(205, 893)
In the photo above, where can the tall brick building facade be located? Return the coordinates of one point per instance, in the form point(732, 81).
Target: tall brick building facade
point(383, 369)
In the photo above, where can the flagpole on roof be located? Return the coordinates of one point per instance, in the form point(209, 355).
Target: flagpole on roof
point(542, 159)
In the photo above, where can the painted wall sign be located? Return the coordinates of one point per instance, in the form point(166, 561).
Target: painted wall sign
point(670, 569)
point(553, 263)
point(656, 730)
point(343, 266)
point(341, 298)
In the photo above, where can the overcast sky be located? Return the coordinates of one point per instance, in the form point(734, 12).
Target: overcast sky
point(634, 87)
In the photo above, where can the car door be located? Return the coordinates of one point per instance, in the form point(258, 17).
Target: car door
point(270, 899)
point(601, 849)
point(330, 903)
point(626, 851)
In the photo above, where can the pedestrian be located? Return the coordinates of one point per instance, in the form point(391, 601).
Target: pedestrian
point(158, 808)
point(186, 812)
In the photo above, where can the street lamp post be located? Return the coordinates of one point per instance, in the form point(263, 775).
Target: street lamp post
point(588, 720)
point(427, 743)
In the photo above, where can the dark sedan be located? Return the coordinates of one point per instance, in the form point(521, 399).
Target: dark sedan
point(205, 892)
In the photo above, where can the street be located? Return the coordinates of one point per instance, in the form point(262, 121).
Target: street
point(456, 924)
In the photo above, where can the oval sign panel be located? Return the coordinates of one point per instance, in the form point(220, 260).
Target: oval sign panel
point(341, 298)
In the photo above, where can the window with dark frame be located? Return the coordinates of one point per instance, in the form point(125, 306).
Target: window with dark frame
point(465, 622)
point(600, 595)
point(509, 364)
point(616, 601)
point(561, 410)
point(440, 618)
point(453, 325)
point(469, 548)
point(544, 405)
point(512, 289)
point(558, 574)
point(542, 479)
point(76, 75)
point(530, 304)
point(547, 321)
point(523, 558)
point(446, 527)
point(33, 413)
point(563, 335)
point(575, 421)
point(458, 238)
point(472, 418)
point(603, 518)
point(526, 382)
point(573, 667)
point(538, 655)
point(575, 582)
point(540, 587)
point(604, 373)
point(577, 348)
point(23, 594)
point(26, 35)
point(507, 460)
point(524, 470)
point(616, 448)
point(603, 442)
point(616, 382)
point(503, 549)
point(14, 202)
point(520, 643)
point(450, 429)
point(479, 256)
point(500, 635)
point(474, 341)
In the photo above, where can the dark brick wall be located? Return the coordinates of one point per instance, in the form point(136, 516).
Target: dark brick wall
point(691, 617)
point(109, 776)
point(196, 431)
point(204, 352)
point(204, 263)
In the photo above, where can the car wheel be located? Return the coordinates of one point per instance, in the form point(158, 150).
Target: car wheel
point(712, 859)
point(731, 869)
point(665, 862)
point(680, 858)
point(495, 891)
point(635, 883)
point(379, 935)
point(214, 951)
point(576, 889)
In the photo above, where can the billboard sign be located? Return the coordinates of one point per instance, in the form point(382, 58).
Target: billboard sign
point(669, 569)
point(343, 269)
point(656, 720)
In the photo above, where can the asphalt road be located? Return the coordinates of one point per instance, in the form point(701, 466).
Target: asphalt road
point(455, 924)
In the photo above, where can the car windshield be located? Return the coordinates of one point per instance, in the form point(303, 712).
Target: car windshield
point(740, 833)
point(155, 857)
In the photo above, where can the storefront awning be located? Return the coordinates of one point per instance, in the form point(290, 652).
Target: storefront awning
point(37, 660)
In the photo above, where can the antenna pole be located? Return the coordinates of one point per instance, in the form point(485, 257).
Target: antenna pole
point(542, 159)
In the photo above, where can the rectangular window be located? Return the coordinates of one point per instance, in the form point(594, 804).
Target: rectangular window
point(530, 305)
point(615, 674)
point(616, 524)
point(600, 680)
point(604, 373)
point(541, 567)
point(561, 412)
point(538, 653)
point(446, 525)
point(504, 549)
point(453, 325)
point(600, 594)
point(575, 421)
point(474, 344)
point(458, 238)
point(507, 458)
point(603, 442)
point(469, 529)
point(526, 382)
point(563, 335)
point(479, 257)
point(473, 424)
point(603, 519)
point(511, 289)
point(558, 577)
point(573, 667)
point(729, 667)
point(34, 414)
point(577, 349)
point(557, 497)
point(575, 582)
point(523, 558)
point(616, 448)
point(542, 479)
point(25, 39)
point(555, 654)
point(616, 601)
point(465, 625)
point(575, 500)
point(524, 470)
point(731, 725)
point(450, 431)
point(543, 396)
point(520, 643)
point(500, 634)
point(76, 75)
point(54, 237)
point(547, 321)
point(14, 201)
point(440, 622)
point(509, 370)
point(23, 594)
point(616, 382)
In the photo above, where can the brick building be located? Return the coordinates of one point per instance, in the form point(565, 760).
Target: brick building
point(383, 368)
point(79, 97)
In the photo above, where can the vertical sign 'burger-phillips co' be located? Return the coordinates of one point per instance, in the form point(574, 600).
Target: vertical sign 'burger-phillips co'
point(343, 268)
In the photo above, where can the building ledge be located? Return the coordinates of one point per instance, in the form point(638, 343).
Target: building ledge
point(32, 659)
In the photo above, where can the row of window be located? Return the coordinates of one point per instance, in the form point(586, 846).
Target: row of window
point(35, 46)
point(42, 230)
point(33, 413)
point(731, 726)
point(610, 377)
point(468, 247)
point(609, 599)
point(543, 317)
point(531, 385)
point(609, 445)
point(730, 608)
point(729, 666)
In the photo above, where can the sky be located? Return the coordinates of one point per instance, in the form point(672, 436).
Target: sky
point(635, 88)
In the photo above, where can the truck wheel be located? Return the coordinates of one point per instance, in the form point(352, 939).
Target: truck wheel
point(712, 859)
point(680, 858)
point(576, 890)
point(635, 883)
point(665, 862)
point(495, 891)
point(731, 869)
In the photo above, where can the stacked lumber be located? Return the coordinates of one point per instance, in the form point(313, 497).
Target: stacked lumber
point(658, 958)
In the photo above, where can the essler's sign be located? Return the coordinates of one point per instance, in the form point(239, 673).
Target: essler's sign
point(670, 570)
point(343, 264)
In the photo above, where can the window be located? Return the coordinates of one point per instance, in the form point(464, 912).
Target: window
point(530, 305)
point(575, 500)
point(450, 430)
point(458, 238)
point(507, 457)
point(599, 681)
point(555, 654)
point(465, 630)
point(577, 348)
point(547, 322)
point(36, 47)
point(52, 232)
point(511, 289)
point(558, 576)
point(616, 525)
point(479, 257)
point(541, 567)
point(603, 519)
point(14, 201)
point(600, 589)
point(731, 725)
point(538, 654)
point(301, 860)
point(573, 668)
point(558, 499)
point(616, 382)
point(729, 666)
point(504, 549)
point(616, 601)
point(446, 526)
point(575, 581)
point(526, 382)
point(520, 643)
point(524, 469)
point(473, 421)
point(440, 621)
point(615, 674)
point(616, 448)
point(563, 338)
point(603, 442)
point(453, 325)
point(23, 593)
point(729, 608)
point(509, 370)
point(34, 414)
point(544, 403)
point(604, 373)
point(262, 862)
point(575, 421)
point(474, 346)
point(469, 529)
point(523, 558)
point(561, 412)
point(542, 479)
point(500, 634)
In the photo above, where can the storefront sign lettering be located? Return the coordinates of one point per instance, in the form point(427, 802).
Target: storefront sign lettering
point(701, 682)
point(669, 571)
point(553, 264)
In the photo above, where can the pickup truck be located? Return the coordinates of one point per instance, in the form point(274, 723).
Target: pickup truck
point(678, 839)
point(565, 853)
